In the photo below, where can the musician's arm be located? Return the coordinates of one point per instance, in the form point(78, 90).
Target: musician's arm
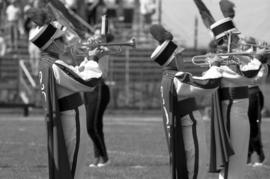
point(245, 77)
point(187, 85)
point(78, 78)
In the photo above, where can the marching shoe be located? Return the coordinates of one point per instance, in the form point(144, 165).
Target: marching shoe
point(95, 163)
point(249, 163)
point(261, 161)
point(103, 162)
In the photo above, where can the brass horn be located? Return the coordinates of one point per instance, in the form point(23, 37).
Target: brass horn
point(86, 46)
point(203, 60)
point(131, 43)
point(261, 46)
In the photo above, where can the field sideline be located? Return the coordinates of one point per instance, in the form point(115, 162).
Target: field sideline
point(136, 146)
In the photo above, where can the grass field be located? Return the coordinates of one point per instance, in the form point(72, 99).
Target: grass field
point(136, 147)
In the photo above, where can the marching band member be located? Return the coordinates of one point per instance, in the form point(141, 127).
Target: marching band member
point(230, 127)
point(256, 102)
point(229, 138)
point(183, 121)
point(96, 102)
point(65, 113)
point(160, 34)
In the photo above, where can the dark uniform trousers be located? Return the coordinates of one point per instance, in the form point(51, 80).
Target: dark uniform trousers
point(96, 102)
point(255, 118)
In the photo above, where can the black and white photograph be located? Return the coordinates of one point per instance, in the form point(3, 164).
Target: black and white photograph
point(134, 89)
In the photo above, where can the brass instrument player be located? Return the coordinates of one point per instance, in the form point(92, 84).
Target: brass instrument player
point(96, 102)
point(61, 85)
point(256, 103)
point(232, 98)
point(184, 127)
point(229, 124)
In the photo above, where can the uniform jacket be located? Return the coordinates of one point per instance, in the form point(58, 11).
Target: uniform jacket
point(233, 76)
point(178, 90)
point(58, 80)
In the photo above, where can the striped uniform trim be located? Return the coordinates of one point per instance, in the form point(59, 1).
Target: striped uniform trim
point(177, 146)
point(231, 94)
point(196, 145)
point(228, 116)
point(91, 83)
point(77, 145)
point(179, 165)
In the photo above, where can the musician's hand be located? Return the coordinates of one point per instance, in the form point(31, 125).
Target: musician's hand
point(214, 60)
point(261, 55)
point(99, 52)
point(261, 51)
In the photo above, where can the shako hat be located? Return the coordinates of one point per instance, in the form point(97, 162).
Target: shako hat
point(222, 27)
point(43, 36)
point(163, 54)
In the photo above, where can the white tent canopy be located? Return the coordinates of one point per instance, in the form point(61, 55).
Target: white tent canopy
point(252, 19)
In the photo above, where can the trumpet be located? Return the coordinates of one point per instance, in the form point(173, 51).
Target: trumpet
point(227, 58)
point(86, 46)
point(260, 46)
point(250, 42)
point(130, 43)
point(92, 45)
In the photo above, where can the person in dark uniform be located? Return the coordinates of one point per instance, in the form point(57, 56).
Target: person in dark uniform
point(96, 103)
point(60, 85)
point(230, 127)
point(92, 10)
point(184, 127)
point(256, 103)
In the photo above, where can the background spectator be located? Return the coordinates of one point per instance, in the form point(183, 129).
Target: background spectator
point(92, 10)
point(111, 9)
point(2, 43)
point(13, 13)
point(128, 11)
point(26, 20)
point(71, 4)
point(147, 9)
point(3, 4)
point(34, 53)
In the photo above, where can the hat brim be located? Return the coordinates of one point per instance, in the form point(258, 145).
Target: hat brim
point(163, 54)
point(58, 33)
point(223, 27)
point(45, 35)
